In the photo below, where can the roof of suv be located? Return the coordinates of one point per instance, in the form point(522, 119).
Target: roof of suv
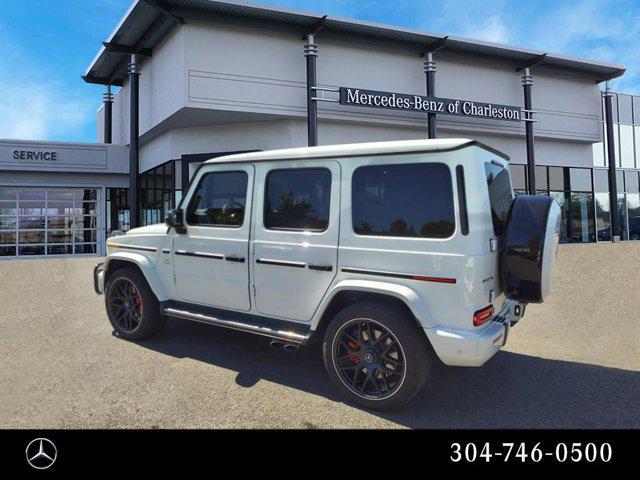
point(356, 149)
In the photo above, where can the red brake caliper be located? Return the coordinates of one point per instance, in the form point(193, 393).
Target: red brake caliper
point(138, 305)
point(355, 346)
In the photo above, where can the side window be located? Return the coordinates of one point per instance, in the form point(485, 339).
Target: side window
point(219, 200)
point(500, 197)
point(297, 199)
point(403, 200)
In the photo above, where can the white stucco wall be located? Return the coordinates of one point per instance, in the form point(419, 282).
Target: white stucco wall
point(212, 87)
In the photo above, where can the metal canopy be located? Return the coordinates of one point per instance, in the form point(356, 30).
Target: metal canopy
point(148, 21)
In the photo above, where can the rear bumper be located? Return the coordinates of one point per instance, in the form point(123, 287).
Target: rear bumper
point(98, 278)
point(473, 348)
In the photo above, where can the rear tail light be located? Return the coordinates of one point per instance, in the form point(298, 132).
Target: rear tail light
point(482, 316)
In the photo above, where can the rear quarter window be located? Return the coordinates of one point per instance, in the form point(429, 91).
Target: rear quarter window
point(500, 195)
point(403, 200)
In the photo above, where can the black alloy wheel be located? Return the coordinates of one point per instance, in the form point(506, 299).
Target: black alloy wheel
point(369, 359)
point(376, 354)
point(125, 305)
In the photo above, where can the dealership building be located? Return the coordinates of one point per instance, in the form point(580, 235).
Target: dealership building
point(189, 80)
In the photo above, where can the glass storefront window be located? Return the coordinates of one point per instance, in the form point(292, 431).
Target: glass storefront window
point(633, 214)
point(541, 178)
point(598, 154)
point(605, 144)
point(616, 139)
point(601, 180)
point(626, 147)
point(582, 225)
point(157, 193)
point(620, 181)
point(622, 216)
point(565, 226)
point(580, 179)
point(578, 222)
point(518, 177)
point(632, 182)
point(625, 108)
point(603, 217)
point(117, 210)
point(556, 178)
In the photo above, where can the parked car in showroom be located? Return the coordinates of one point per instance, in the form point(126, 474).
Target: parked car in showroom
point(391, 254)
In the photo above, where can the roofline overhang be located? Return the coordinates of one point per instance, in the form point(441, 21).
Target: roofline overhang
point(171, 12)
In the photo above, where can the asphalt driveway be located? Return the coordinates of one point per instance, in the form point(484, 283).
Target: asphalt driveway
point(574, 361)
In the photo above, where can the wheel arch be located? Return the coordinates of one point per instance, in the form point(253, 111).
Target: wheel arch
point(351, 291)
point(124, 259)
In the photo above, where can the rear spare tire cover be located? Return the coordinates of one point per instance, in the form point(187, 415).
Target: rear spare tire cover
point(530, 247)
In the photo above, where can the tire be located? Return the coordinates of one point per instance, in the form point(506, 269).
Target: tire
point(381, 390)
point(132, 308)
point(530, 248)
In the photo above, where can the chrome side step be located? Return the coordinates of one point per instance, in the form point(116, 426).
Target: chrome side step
point(267, 331)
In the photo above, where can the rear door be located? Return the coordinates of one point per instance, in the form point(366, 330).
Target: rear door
point(210, 260)
point(295, 241)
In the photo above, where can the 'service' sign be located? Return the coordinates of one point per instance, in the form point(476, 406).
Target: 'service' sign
point(38, 155)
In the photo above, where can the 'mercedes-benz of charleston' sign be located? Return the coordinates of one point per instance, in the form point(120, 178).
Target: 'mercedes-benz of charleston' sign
point(417, 103)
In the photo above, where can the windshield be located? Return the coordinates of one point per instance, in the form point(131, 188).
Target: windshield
point(500, 195)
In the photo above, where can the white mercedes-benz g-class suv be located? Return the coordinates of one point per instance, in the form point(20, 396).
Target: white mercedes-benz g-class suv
point(390, 254)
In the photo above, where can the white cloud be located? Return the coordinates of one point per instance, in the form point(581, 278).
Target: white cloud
point(580, 29)
point(39, 111)
point(492, 29)
point(568, 27)
point(34, 105)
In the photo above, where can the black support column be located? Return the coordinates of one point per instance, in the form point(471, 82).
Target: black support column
point(311, 53)
point(134, 147)
point(527, 85)
point(430, 72)
point(611, 156)
point(108, 115)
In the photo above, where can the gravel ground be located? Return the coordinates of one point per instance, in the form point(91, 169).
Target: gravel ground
point(574, 361)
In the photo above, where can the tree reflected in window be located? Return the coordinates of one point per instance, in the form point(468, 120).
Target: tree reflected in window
point(403, 200)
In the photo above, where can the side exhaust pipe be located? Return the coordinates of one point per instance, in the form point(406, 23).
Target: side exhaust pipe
point(275, 344)
point(291, 347)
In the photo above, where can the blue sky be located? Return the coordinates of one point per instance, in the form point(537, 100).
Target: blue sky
point(47, 45)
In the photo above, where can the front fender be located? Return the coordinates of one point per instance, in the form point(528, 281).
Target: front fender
point(403, 293)
point(145, 266)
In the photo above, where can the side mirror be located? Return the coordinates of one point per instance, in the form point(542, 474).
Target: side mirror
point(175, 219)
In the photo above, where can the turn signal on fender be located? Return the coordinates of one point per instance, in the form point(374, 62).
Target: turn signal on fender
point(483, 316)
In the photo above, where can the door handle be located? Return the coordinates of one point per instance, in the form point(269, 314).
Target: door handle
point(233, 258)
point(322, 268)
point(280, 263)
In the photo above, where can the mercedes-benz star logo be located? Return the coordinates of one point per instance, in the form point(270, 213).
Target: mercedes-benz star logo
point(41, 453)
